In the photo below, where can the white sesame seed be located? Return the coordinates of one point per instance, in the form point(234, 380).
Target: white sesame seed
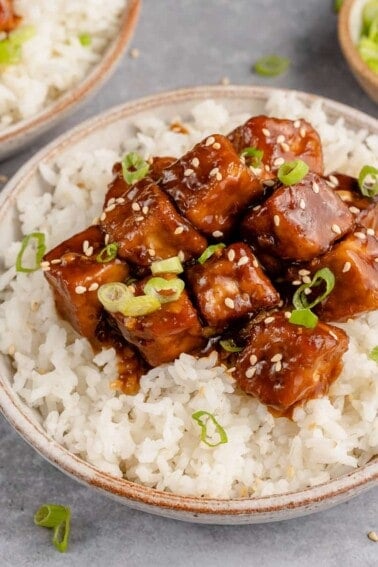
point(145, 210)
point(302, 132)
point(269, 320)
point(285, 147)
point(287, 314)
point(268, 183)
point(266, 132)
point(103, 217)
point(214, 171)
point(267, 167)
point(253, 359)
point(107, 238)
point(296, 282)
point(276, 220)
point(276, 358)
point(93, 286)
point(333, 180)
point(278, 366)
point(181, 256)
point(231, 255)
point(297, 123)
point(121, 200)
point(80, 289)
point(242, 261)
point(45, 264)
point(56, 261)
point(304, 272)
point(111, 201)
point(151, 252)
point(255, 263)
point(315, 187)
point(188, 172)
point(354, 210)
point(46, 269)
point(250, 372)
point(280, 304)
point(306, 279)
point(89, 251)
point(302, 204)
point(229, 303)
point(278, 161)
point(336, 229)
point(307, 291)
point(135, 206)
point(210, 141)
point(85, 245)
point(179, 230)
point(257, 208)
point(360, 235)
point(333, 335)
point(195, 162)
point(280, 139)
point(347, 267)
point(219, 176)
point(370, 231)
point(217, 233)
point(110, 208)
point(217, 146)
point(139, 219)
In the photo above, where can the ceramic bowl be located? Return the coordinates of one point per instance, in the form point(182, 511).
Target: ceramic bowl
point(108, 130)
point(22, 133)
point(349, 29)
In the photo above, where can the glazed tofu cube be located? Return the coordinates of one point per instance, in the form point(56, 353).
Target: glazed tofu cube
point(146, 226)
point(299, 222)
point(231, 284)
point(354, 263)
point(75, 275)
point(284, 364)
point(280, 140)
point(163, 335)
point(363, 209)
point(211, 185)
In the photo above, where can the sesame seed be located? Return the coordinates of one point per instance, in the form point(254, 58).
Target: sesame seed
point(307, 291)
point(93, 286)
point(45, 264)
point(333, 180)
point(360, 235)
point(103, 217)
point(280, 303)
point(217, 146)
point(219, 176)
point(266, 132)
point(280, 139)
point(370, 231)
point(276, 220)
point(46, 269)
point(139, 219)
point(56, 261)
point(110, 208)
point(278, 161)
point(257, 208)
point(89, 251)
point(134, 53)
point(347, 267)
point(336, 229)
point(85, 245)
point(231, 255)
point(354, 210)
point(269, 182)
point(242, 261)
point(145, 210)
point(210, 141)
point(304, 272)
point(276, 358)
point(217, 233)
point(179, 230)
point(249, 373)
point(373, 536)
point(269, 320)
point(285, 147)
point(107, 238)
point(287, 314)
point(302, 132)
point(229, 303)
point(255, 263)
point(296, 282)
point(253, 359)
point(79, 289)
point(96, 220)
point(111, 201)
point(297, 124)
point(333, 335)
point(315, 187)
point(181, 256)
point(214, 171)
point(267, 167)
point(188, 172)
point(195, 162)
point(225, 81)
point(121, 200)
point(135, 206)
point(278, 366)
point(306, 279)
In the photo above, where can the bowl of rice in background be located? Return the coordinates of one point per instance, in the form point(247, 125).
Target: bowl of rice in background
point(144, 450)
point(68, 50)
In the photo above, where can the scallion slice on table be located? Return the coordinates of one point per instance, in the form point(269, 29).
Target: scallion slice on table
point(57, 517)
point(271, 65)
point(202, 418)
point(210, 250)
point(254, 154)
point(107, 254)
point(168, 266)
point(164, 290)
point(134, 168)
point(27, 241)
point(113, 296)
point(302, 314)
point(292, 172)
point(368, 181)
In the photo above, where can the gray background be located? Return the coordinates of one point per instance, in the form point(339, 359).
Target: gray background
point(183, 43)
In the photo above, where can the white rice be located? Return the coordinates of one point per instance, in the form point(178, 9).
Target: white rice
point(151, 438)
point(54, 60)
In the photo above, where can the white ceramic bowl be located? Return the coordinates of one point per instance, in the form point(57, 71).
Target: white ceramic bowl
point(21, 133)
point(110, 129)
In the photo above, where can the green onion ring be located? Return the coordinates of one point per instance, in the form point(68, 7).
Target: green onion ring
point(373, 354)
point(197, 416)
point(323, 275)
point(140, 305)
point(85, 39)
point(57, 517)
point(210, 250)
point(271, 65)
point(134, 168)
point(168, 266)
point(113, 296)
point(368, 181)
point(108, 253)
point(292, 172)
point(164, 290)
point(41, 249)
point(229, 345)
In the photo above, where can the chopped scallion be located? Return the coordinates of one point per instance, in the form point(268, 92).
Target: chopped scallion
point(229, 345)
point(292, 172)
point(107, 254)
point(368, 181)
point(134, 168)
point(57, 517)
point(271, 65)
point(304, 317)
point(322, 276)
point(198, 417)
point(85, 39)
point(113, 296)
point(210, 250)
point(254, 154)
point(164, 290)
point(168, 266)
point(373, 354)
point(39, 237)
point(140, 305)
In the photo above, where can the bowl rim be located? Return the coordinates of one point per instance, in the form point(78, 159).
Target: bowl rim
point(153, 500)
point(89, 83)
point(348, 46)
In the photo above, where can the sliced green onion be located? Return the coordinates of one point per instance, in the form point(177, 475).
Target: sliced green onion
point(11, 47)
point(57, 517)
point(373, 354)
point(39, 237)
point(168, 266)
point(22, 34)
point(107, 254)
point(210, 250)
point(134, 168)
point(164, 290)
point(197, 416)
point(369, 15)
point(140, 305)
point(255, 154)
point(324, 275)
point(271, 65)
point(85, 39)
point(304, 317)
point(292, 172)
point(368, 181)
point(337, 5)
point(114, 296)
point(230, 346)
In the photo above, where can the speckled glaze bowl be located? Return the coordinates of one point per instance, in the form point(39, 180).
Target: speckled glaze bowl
point(349, 29)
point(107, 130)
point(22, 133)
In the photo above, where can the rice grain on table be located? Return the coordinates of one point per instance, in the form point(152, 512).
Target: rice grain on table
point(151, 438)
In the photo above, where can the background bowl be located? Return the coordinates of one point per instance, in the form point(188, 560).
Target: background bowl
point(349, 29)
point(108, 130)
point(21, 133)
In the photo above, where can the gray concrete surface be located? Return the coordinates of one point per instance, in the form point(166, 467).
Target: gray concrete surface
point(182, 43)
